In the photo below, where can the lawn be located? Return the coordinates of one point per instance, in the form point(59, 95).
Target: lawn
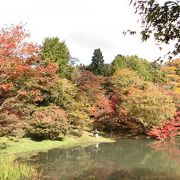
point(26, 146)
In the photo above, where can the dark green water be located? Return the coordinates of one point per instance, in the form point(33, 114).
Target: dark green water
point(125, 159)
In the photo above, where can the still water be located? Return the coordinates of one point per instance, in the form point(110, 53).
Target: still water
point(126, 159)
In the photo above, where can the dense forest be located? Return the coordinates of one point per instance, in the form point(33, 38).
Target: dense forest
point(44, 95)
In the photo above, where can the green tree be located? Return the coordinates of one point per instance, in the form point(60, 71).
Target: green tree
point(53, 50)
point(97, 65)
point(160, 21)
point(146, 70)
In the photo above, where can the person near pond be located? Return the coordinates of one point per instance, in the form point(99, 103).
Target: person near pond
point(96, 133)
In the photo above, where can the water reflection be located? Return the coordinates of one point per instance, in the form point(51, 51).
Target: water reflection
point(126, 159)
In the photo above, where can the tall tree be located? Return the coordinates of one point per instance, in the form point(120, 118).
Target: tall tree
point(160, 21)
point(53, 50)
point(97, 64)
point(24, 81)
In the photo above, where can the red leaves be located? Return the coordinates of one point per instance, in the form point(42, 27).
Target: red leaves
point(13, 45)
point(6, 87)
point(23, 80)
point(48, 123)
point(170, 147)
point(169, 130)
point(103, 107)
point(50, 114)
point(31, 95)
point(90, 83)
point(20, 72)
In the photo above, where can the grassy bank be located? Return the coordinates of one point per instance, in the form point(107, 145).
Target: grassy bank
point(15, 171)
point(24, 146)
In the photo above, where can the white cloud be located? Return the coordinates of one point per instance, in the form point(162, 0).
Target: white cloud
point(83, 24)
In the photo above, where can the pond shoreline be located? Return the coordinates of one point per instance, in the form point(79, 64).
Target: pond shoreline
point(21, 147)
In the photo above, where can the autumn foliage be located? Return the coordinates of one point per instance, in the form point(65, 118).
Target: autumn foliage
point(141, 104)
point(169, 129)
point(36, 101)
point(22, 78)
point(102, 107)
point(21, 74)
point(48, 123)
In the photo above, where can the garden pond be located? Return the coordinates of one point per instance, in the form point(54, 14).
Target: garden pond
point(129, 159)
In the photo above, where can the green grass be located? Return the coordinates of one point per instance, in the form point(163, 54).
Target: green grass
point(25, 146)
point(10, 170)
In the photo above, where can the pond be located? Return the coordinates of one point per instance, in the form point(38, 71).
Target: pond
point(129, 159)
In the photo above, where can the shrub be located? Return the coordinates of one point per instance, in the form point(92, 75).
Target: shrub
point(150, 107)
point(48, 123)
point(175, 96)
point(8, 123)
point(169, 129)
point(12, 118)
point(3, 145)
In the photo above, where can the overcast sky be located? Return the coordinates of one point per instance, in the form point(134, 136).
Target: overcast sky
point(83, 24)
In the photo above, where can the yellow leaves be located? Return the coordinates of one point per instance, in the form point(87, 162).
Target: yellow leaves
point(120, 73)
point(150, 106)
point(174, 77)
point(175, 63)
point(177, 90)
point(124, 79)
point(67, 86)
point(142, 100)
point(168, 69)
point(173, 70)
point(79, 117)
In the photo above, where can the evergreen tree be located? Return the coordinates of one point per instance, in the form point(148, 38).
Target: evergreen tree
point(97, 65)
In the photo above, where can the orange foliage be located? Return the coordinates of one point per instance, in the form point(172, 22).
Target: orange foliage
point(90, 83)
point(21, 74)
point(103, 107)
point(23, 79)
